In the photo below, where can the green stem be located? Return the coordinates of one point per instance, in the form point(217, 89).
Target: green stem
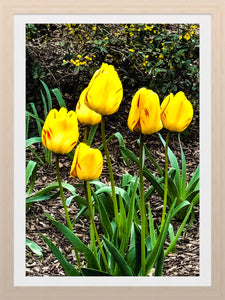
point(85, 134)
point(65, 207)
point(166, 180)
point(90, 208)
point(142, 207)
point(110, 171)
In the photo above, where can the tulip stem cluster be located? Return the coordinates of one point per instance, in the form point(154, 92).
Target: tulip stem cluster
point(166, 180)
point(110, 171)
point(142, 206)
point(90, 208)
point(65, 207)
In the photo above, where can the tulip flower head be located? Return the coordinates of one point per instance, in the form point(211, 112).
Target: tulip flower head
point(86, 115)
point(144, 115)
point(105, 91)
point(60, 131)
point(87, 163)
point(176, 112)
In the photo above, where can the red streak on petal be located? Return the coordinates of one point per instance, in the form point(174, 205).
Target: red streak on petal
point(146, 112)
point(79, 166)
point(73, 143)
point(78, 107)
point(48, 135)
point(138, 103)
point(50, 130)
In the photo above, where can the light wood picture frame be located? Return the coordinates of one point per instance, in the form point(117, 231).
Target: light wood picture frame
point(8, 9)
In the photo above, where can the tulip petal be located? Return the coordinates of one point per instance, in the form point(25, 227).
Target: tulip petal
point(60, 131)
point(105, 91)
point(86, 115)
point(176, 112)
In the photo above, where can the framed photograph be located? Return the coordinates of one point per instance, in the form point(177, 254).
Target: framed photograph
point(84, 217)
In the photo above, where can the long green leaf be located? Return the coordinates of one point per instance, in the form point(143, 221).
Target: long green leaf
point(92, 134)
point(105, 221)
point(76, 242)
point(32, 165)
point(39, 198)
point(49, 98)
point(32, 141)
point(150, 260)
point(37, 120)
point(28, 113)
point(67, 267)
point(59, 97)
point(122, 264)
point(44, 104)
point(92, 272)
point(173, 162)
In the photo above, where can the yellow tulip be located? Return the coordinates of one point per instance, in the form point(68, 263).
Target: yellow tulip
point(85, 115)
point(60, 131)
point(176, 112)
point(87, 163)
point(105, 91)
point(144, 115)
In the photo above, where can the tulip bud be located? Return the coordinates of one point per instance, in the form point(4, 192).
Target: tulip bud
point(144, 115)
point(86, 115)
point(176, 112)
point(87, 163)
point(105, 91)
point(60, 131)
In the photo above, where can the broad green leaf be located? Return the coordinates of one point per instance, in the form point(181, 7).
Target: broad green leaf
point(67, 267)
point(35, 248)
point(31, 167)
point(122, 264)
point(32, 141)
point(93, 272)
point(39, 198)
point(120, 191)
point(76, 242)
point(172, 236)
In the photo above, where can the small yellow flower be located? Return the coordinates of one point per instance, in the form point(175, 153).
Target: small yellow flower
point(187, 36)
point(83, 63)
point(151, 41)
point(64, 61)
point(94, 28)
point(106, 38)
point(180, 37)
point(162, 44)
point(78, 56)
point(146, 56)
point(161, 56)
point(192, 32)
point(131, 50)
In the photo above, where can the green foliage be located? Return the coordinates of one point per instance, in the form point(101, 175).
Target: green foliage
point(162, 57)
point(34, 248)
